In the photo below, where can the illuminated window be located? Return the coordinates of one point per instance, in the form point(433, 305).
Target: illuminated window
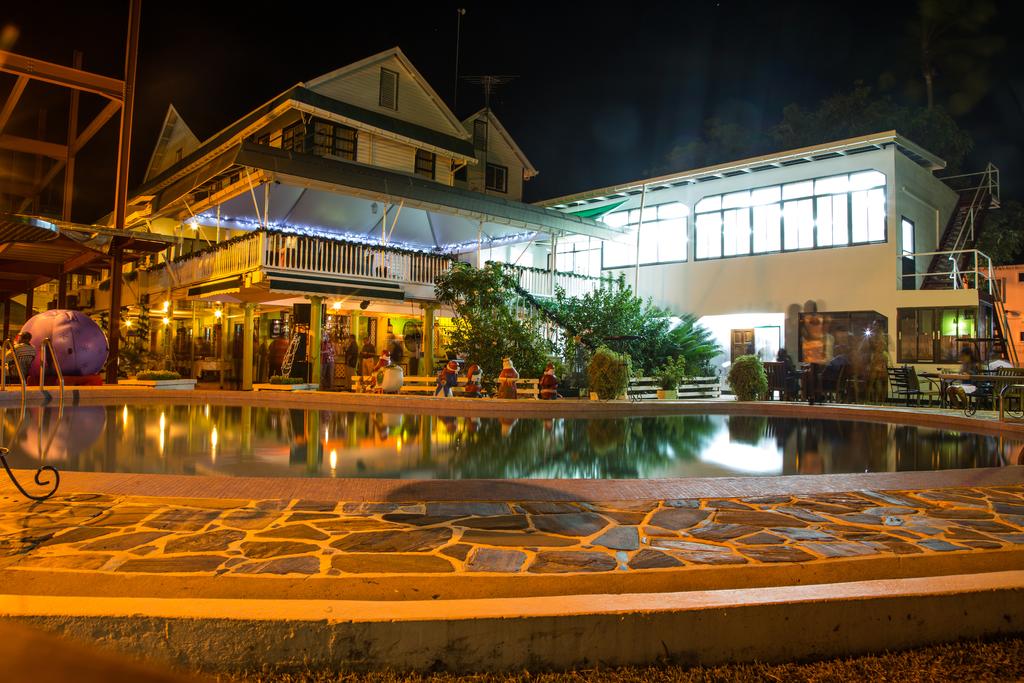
point(332, 139)
point(662, 236)
point(833, 211)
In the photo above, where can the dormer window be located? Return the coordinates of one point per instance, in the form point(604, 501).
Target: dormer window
point(388, 89)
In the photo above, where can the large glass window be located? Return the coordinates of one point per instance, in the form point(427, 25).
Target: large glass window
point(662, 236)
point(823, 336)
point(579, 254)
point(929, 335)
point(826, 212)
point(332, 139)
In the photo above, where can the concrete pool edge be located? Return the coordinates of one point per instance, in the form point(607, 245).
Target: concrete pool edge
point(411, 587)
point(692, 627)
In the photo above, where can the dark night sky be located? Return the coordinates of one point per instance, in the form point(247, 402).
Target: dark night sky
point(602, 94)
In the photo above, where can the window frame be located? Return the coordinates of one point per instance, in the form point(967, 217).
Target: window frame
point(487, 183)
point(422, 169)
point(937, 313)
point(783, 200)
point(656, 209)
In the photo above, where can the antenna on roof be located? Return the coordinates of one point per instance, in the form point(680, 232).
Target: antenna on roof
point(489, 83)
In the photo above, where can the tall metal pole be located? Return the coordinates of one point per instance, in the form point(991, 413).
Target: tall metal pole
point(458, 40)
point(639, 224)
point(121, 192)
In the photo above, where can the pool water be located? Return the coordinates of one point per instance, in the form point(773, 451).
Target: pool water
point(259, 441)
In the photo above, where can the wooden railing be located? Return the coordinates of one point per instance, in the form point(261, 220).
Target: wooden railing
point(234, 259)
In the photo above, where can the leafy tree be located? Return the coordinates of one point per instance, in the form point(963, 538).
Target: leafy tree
point(488, 324)
point(862, 111)
point(613, 315)
point(954, 48)
point(1002, 236)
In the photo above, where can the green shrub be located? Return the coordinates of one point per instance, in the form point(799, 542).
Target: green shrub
point(671, 374)
point(281, 379)
point(747, 378)
point(158, 375)
point(608, 373)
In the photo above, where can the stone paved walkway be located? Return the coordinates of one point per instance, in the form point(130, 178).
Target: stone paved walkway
point(211, 537)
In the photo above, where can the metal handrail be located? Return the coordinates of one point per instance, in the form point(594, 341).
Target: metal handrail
point(979, 270)
point(43, 348)
point(6, 345)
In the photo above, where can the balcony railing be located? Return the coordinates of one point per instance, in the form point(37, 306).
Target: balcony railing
point(332, 257)
point(318, 255)
point(977, 274)
point(542, 283)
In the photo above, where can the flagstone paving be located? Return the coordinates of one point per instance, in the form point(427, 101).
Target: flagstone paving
point(302, 538)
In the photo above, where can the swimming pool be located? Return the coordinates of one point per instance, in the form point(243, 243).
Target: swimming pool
point(232, 440)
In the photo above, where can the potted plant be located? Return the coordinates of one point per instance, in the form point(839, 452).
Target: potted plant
point(747, 378)
point(608, 374)
point(669, 376)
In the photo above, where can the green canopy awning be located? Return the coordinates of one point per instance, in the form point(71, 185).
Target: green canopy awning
point(596, 213)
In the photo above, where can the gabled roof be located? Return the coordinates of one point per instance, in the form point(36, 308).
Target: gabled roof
point(828, 150)
point(529, 170)
point(396, 53)
point(173, 133)
point(303, 99)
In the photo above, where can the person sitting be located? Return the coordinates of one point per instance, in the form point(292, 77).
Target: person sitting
point(960, 389)
point(507, 380)
point(790, 377)
point(474, 378)
point(549, 384)
point(23, 354)
point(447, 379)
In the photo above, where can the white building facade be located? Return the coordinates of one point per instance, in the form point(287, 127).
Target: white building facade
point(807, 250)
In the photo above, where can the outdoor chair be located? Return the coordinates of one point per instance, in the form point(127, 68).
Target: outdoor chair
point(776, 374)
point(903, 383)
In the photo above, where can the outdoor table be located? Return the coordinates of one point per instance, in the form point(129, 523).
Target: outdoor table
point(214, 364)
point(946, 379)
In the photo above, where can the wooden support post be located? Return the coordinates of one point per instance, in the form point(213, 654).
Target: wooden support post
point(29, 303)
point(247, 344)
point(428, 340)
point(62, 291)
point(7, 316)
point(121, 190)
point(114, 313)
point(69, 165)
point(315, 338)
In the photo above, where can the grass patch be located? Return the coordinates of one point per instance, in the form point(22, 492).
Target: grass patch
point(998, 660)
point(281, 379)
point(158, 375)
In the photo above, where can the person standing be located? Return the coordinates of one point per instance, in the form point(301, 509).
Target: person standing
point(350, 355)
point(369, 358)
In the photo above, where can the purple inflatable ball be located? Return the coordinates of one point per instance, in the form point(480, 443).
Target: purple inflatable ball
point(79, 342)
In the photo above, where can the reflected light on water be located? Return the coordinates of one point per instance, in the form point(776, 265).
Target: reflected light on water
point(206, 410)
point(764, 458)
point(213, 444)
point(334, 460)
point(124, 414)
point(163, 426)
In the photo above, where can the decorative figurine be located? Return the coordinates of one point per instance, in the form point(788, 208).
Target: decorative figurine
point(507, 379)
point(447, 378)
point(549, 384)
point(474, 377)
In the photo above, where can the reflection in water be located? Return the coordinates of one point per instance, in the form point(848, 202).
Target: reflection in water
point(258, 441)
